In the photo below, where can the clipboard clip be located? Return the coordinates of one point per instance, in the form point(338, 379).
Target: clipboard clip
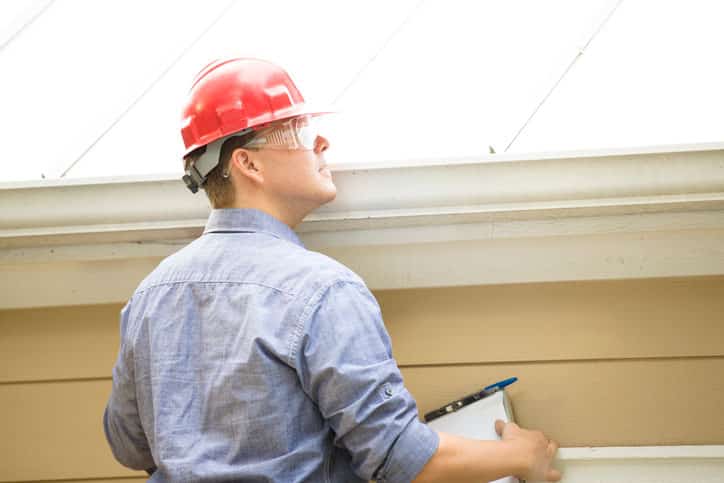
point(470, 398)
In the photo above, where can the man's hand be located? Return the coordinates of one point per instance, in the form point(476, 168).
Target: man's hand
point(537, 450)
point(522, 453)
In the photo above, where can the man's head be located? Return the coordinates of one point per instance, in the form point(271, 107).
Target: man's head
point(251, 141)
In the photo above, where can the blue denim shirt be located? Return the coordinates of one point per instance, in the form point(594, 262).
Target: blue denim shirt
point(246, 357)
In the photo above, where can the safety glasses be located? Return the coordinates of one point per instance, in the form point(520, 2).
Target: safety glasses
point(297, 133)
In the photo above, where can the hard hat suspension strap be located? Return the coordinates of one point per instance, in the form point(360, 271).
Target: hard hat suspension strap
point(199, 170)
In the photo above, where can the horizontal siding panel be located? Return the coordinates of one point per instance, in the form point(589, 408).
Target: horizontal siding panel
point(59, 342)
point(557, 321)
point(507, 323)
point(596, 403)
point(54, 430)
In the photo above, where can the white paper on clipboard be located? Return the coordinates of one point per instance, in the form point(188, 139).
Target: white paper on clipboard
point(477, 421)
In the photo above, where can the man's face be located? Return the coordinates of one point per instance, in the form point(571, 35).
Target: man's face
point(298, 178)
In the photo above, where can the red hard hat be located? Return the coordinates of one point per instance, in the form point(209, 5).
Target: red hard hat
point(233, 95)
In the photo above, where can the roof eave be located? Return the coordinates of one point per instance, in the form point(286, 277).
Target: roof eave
point(605, 214)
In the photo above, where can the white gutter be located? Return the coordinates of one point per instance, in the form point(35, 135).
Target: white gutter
point(496, 219)
point(384, 195)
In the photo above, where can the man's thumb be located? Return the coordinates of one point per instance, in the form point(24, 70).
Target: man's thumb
point(499, 426)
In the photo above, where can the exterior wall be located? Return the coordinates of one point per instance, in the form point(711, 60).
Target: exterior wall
point(604, 363)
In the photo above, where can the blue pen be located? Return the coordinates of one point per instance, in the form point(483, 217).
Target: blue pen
point(501, 384)
point(470, 398)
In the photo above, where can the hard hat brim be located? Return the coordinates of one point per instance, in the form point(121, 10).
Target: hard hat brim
point(282, 115)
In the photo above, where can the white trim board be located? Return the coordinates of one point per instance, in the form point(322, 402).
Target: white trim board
point(466, 222)
point(649, 464)
point(76, 275)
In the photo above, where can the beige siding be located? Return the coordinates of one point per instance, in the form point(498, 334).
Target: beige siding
point(59, 342)
point(597, 403)
point(600, 363)
point(56, 430)
point(557, 321)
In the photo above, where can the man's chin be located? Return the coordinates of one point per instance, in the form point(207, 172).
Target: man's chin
point(330, 196)
point(325, 193)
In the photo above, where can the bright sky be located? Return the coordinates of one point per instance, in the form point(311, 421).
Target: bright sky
point(94, 88)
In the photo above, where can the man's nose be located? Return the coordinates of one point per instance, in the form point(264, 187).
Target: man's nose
point(321, 144)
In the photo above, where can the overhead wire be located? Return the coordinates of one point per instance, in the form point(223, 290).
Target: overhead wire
point(377, 53)
point(570, 65)
point(27, 24)
point(158, 78)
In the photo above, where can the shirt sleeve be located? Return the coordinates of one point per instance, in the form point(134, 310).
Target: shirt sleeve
point(121, 420)
point(344, 361)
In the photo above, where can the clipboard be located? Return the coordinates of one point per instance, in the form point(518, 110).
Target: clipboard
point(474, 417)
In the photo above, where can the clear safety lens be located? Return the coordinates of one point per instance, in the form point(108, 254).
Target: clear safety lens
point(297, 133)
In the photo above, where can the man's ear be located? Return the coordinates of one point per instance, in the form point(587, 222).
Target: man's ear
point(246, 164)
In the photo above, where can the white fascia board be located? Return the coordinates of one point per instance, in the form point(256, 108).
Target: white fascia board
point(498, 219)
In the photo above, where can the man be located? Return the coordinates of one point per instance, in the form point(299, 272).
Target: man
point(246, 357)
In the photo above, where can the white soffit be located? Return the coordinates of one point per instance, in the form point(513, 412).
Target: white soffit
point(655, 212)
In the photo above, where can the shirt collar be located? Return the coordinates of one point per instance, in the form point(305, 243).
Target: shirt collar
point(241, 220)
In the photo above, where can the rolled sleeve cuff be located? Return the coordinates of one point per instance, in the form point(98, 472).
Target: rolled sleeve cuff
point(410, 453)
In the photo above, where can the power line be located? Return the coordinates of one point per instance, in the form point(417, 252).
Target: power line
point(151, 86)
point(387, 42)
point(580, 52)
point(27, 24)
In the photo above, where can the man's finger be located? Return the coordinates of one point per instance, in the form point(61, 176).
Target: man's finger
point(552, 447)
point(553, 475)
point(499, 426)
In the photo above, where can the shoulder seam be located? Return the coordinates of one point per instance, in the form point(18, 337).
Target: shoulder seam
point(227, 282)
point(304, 315)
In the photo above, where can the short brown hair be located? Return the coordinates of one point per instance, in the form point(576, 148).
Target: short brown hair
point(219, 189)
